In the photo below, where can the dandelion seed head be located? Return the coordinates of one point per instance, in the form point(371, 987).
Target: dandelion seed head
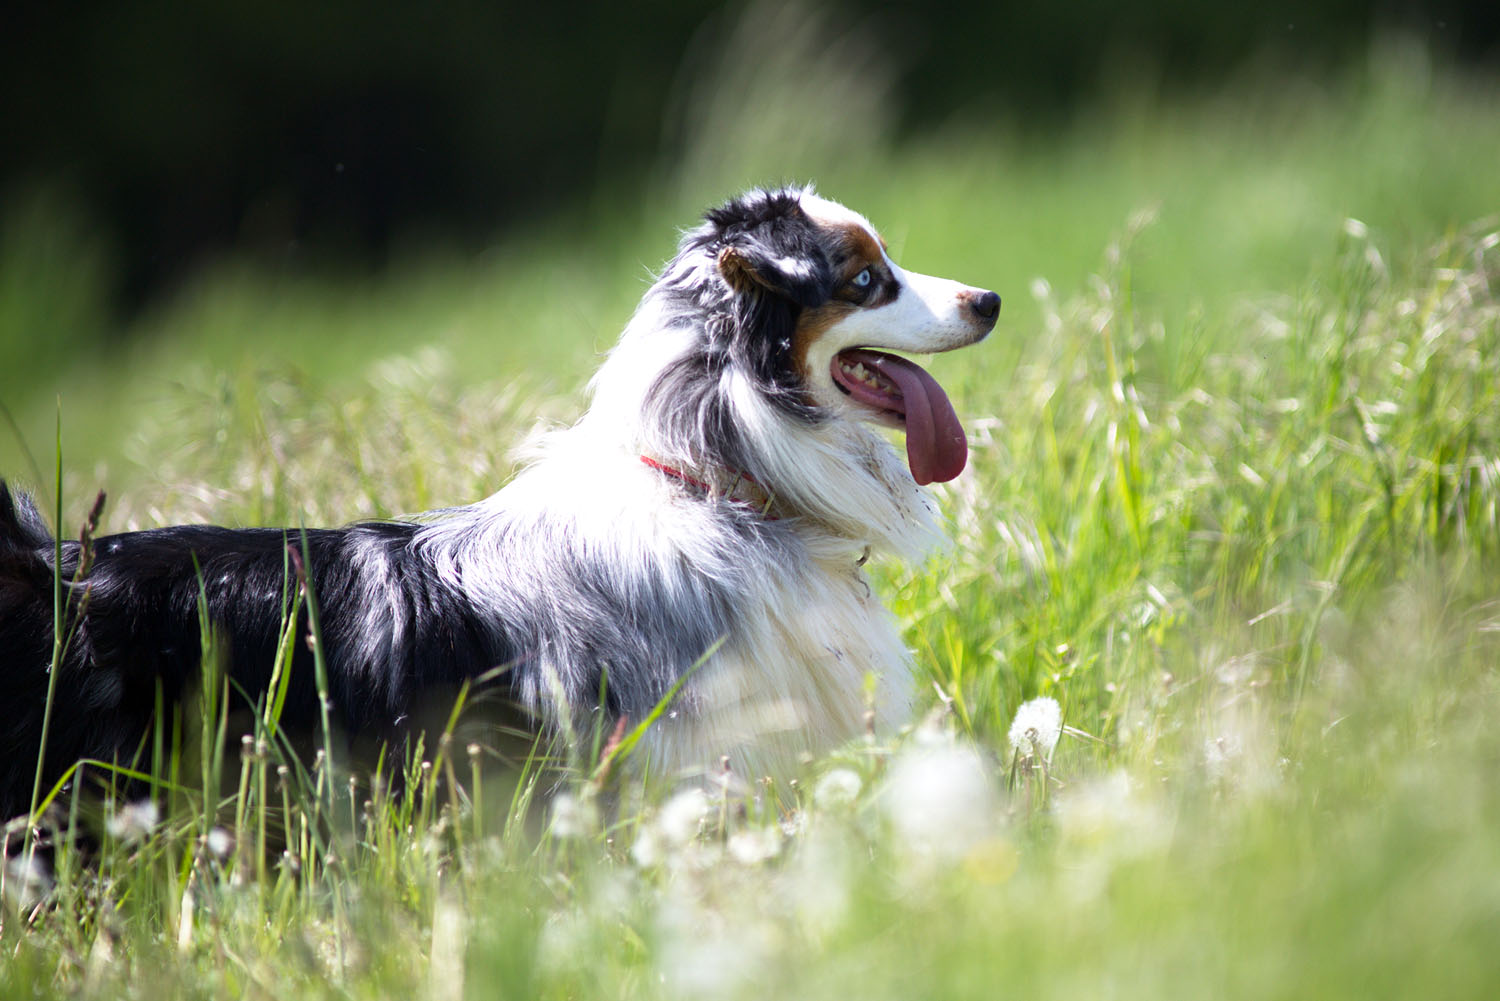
point(1221, 752)
point(219, 843)
point(702, 957)
point(28, 880)
point(647, 850)
point(752, 847)
point(133, 822)
point(940, 800)
point(573, 817)
point(682, 817)
point(838, 789)
point(1036, 727)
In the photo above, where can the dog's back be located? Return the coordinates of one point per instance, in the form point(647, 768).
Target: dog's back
point(138, 616)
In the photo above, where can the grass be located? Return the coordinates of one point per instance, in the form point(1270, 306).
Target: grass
point(1232, 503)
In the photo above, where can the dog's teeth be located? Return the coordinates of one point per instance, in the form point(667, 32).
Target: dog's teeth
point(859, 373)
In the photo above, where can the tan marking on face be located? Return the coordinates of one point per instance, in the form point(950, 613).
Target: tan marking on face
point(852, 249)
point(866, 249)
point(813, 324)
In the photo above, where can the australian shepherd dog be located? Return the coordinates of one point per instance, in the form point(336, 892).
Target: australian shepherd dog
point(700, 532)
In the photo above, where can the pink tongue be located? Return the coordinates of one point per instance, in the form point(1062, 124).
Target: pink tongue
point(935, 446)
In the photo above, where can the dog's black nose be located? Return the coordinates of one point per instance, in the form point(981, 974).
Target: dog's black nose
point(986, 305)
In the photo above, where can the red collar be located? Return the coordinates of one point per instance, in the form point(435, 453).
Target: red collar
point(742, 488)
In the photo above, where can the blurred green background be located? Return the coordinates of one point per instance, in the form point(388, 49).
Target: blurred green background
point(195, 192)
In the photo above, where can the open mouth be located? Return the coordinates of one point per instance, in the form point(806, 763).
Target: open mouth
point(904, 393)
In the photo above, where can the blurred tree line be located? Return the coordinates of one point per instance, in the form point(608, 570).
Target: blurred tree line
point(183, 126)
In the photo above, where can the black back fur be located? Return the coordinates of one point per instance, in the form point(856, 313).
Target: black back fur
point(136, 626)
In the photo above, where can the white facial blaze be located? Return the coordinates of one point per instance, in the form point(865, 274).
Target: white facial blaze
point(929, 315)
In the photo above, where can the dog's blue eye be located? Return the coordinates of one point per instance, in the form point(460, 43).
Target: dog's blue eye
point(862, 279)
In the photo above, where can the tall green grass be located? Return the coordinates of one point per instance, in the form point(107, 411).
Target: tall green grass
point(1257, 572)
point(1232, 502)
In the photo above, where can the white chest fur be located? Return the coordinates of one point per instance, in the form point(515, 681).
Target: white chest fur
point(817, 653)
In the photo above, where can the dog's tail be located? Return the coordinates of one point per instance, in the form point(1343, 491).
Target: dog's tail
point(22, 528)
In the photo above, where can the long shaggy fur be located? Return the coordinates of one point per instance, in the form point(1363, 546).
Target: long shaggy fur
point(592, 571)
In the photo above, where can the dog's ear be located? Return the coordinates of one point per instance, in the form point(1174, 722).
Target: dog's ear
point(779, 263)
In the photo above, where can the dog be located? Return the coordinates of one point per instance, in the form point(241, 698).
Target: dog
point(697, 537)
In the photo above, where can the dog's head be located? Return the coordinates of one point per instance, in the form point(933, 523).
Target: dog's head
point(808, 303)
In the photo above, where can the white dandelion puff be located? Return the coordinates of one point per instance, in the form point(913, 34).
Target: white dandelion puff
point(28, 880)
point(682, 817)
point(751, 847)
point(1222, 752)
point(573, 817)
point(133, 821)
point(700, 956)
point(219, 843)
point(1037, 726)
point(940, 800)
point(838, 789)
point(646, 850)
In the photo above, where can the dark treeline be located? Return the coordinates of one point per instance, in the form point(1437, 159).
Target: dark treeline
point(183, 126)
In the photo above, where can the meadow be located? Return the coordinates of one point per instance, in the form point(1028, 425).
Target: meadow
point(1233, 503)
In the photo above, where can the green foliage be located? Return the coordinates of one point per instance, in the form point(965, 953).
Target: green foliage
point(1139, 495)
point(54, 285)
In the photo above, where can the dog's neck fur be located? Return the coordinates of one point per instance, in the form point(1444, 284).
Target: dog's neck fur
point(836, 476)
point(733, 485)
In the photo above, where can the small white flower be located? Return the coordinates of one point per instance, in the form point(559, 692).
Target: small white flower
point(838, 789)
point(573, 817)
point(940, 800)
point(219, 843)
point(1037, 726)
point(133, 821)
point(28, 880)
point(646, 850)
point(1222, 753)
point(681, 818)
point(703, 954)
point(752, 847)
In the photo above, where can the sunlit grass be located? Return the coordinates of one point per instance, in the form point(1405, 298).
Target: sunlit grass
point(1233, 502)
point(1260, 587)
